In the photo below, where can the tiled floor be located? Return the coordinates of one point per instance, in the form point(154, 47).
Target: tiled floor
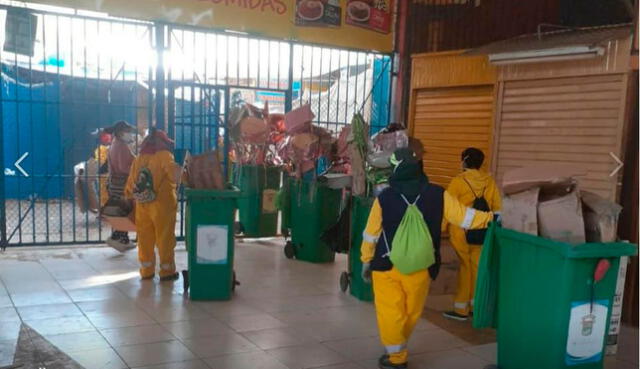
point(89, 304)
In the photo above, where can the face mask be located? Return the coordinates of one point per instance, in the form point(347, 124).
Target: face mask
point(127, 137)
point(464, 163)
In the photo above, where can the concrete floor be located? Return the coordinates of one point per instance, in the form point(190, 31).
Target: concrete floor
point(86, 308)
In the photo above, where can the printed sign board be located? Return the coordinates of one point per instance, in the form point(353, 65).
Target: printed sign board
point(313, 21)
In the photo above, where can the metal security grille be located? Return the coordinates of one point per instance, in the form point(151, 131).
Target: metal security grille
point(76, 72)
point(339, 83)
point(83, 73)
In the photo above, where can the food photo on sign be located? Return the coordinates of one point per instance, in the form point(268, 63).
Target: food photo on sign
point(318, 13)
point(371, 14)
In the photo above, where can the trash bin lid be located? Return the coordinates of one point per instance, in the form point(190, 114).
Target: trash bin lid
point(579, 251)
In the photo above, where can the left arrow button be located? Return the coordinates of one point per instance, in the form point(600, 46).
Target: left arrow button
point(17, 164)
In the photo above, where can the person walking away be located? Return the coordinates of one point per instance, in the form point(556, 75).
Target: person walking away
point(474, 188)
point(100, 155)
point(119, 162)
point(401, 252)
point(152, 184)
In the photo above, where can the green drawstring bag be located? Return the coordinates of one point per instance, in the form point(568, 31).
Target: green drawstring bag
point(412, 246)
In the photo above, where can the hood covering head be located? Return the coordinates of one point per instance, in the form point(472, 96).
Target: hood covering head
point(408, 178)
point(119, 128)
point(103, 137)
point(155, 141)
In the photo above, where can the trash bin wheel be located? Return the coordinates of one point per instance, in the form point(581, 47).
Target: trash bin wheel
point(289, 250)
point(235, 282)
point(238, 228)
point(185, 280)
point(345, 281)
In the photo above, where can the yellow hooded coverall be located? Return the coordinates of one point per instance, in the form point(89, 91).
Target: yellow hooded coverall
point(400, 298)
point(463, 188)
point(156, 220)
point(100, 154)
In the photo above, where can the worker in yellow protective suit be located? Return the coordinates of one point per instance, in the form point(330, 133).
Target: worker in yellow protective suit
point(152, 184)
point(400, 298)
point(472, 185)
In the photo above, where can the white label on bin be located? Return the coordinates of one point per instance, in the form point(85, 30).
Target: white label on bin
point(269, 201)
point(211, 244)
point(587, 327)
point(616, 310)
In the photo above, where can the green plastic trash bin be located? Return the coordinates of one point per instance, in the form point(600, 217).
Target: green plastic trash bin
point(360, 208)
point(210, 243)
point(313, 209)
point(541, 297)
point(283, 203)
point(259, 185)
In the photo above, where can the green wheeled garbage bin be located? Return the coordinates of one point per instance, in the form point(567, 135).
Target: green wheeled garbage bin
point(314, 208)
point(352, 279)
point(259, 185)
point(283, 203)
point(210, 243)
point(550, 301)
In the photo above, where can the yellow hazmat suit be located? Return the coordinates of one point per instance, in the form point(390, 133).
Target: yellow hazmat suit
point(400, 298)
point(463, 188)
point(156, 220)
point(100, 154)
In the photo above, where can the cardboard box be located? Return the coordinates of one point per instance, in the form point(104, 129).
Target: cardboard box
point(600, 217)
point(560, 217)
point(520, 211)
point(119, 214)
point(204, 171)
point(124, 224)
point(299, 120)
point(522, 179)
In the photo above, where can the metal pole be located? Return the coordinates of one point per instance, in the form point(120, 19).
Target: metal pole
point(3, 213)
point(288, 97)
point(160, 29)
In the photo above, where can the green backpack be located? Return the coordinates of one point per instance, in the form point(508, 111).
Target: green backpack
point(412, 247)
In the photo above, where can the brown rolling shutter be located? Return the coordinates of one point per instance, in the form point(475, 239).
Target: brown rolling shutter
point(574, 121)
point(448, 120)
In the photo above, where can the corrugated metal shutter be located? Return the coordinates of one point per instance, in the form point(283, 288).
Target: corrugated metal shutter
point(574, 121)
point(448, 120)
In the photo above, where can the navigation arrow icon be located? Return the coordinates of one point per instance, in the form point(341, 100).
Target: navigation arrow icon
point(17, 164)
point(620, 164)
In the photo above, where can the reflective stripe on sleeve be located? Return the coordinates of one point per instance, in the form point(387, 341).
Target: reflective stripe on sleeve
point(468, 218)
point(366, 237)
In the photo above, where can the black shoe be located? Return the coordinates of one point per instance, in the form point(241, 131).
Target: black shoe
point(170, 277)
point(147, 278)
point(455, 316)
point(385, 363)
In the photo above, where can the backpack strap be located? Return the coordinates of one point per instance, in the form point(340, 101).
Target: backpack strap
point(386, 244)
point(472, 191)
point(407, 201)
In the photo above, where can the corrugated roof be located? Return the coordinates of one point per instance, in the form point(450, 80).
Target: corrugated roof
point(590, 37)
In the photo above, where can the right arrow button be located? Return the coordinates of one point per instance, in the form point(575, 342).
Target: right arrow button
point(618, 161)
